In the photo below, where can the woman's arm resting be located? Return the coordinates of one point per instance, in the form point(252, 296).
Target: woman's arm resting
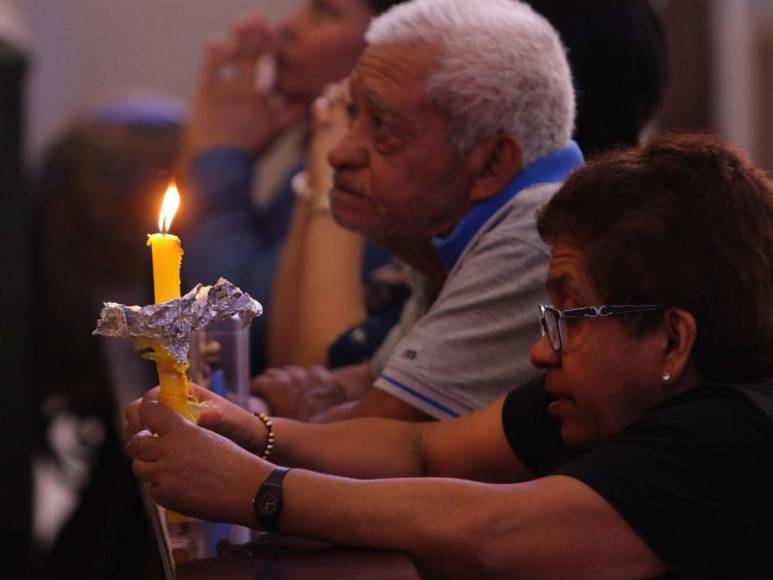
point(554, 527)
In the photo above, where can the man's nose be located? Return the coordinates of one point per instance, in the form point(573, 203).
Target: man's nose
point(348, 153)
point(543, 355)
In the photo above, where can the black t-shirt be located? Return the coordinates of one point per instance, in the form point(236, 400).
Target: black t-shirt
point(693, 477)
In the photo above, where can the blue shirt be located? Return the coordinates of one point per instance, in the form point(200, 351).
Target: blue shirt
point(553, 168)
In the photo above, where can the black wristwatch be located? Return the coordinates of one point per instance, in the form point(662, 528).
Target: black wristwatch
point(268, 500)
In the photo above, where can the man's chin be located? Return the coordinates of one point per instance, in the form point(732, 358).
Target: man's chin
point(341, 220)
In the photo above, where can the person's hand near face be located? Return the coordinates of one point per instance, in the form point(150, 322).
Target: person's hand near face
point(317, 44)
point(330, 124)
point(228, 110)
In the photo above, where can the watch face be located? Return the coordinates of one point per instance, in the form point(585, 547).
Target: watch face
point(267, 503)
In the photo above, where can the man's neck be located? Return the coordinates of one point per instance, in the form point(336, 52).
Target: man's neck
point(421, 255)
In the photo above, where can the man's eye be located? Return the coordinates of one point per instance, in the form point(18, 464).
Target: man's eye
point(351, 111)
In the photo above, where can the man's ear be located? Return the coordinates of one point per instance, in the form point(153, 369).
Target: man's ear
point(497, 159)
point(681, 331)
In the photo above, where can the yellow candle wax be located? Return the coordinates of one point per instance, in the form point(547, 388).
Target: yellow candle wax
point(167, 259)
point(172, 376)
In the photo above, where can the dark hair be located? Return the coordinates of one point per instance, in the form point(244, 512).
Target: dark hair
point(685, 222)
point(617, 52)
point(98, 193)
point(381, 6)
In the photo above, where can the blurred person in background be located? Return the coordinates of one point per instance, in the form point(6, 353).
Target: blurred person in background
point(245, 142)
point(99, 188)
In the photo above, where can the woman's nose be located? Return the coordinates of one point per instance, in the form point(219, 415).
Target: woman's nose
point(543, 355)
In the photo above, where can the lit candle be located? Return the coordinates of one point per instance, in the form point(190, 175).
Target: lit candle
point(167, 259)
point(167, 251)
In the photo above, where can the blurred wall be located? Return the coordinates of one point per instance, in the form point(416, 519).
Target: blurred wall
point(87, 51)
point(721, 54)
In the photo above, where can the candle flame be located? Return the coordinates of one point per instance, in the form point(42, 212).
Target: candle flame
point(168, 208)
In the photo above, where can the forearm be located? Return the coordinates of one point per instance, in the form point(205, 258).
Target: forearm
point(362, 448)
point(554, 527)
point(436, 521)
point(222, 238)
point(423, 517)
point(219, 179)
point(331, 296)
point(284, 316)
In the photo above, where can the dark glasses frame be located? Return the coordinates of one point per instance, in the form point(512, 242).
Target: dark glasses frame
point(551, 317)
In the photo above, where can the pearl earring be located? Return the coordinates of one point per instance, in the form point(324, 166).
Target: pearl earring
point(666, 377)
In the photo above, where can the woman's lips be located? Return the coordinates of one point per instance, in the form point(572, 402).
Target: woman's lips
point(558, 401)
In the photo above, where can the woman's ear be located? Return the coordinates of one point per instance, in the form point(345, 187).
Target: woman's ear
point(498, 158)
point(681, 331)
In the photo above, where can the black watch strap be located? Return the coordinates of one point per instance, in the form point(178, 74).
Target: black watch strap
point(268, 500)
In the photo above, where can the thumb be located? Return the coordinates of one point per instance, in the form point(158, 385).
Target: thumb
point(158, 418)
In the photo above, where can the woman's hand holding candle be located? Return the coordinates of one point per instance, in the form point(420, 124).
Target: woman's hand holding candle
point(215, 413)
point(183, 463)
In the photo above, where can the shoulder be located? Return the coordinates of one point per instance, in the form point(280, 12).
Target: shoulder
point(710, 424)
point(693, 478)
point(522, 209)
point(507, 257)
point(710, 411)
point(512, 230)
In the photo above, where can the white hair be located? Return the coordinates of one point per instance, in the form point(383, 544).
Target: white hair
point(502, 68)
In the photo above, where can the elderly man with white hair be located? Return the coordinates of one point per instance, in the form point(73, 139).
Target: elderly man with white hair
point(460, 122)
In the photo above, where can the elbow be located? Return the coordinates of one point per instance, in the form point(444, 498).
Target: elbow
point(471, 549)
point(489, 558)
point(489, 544)
point(466, 557)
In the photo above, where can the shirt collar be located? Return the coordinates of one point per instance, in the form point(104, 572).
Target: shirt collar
point(553, 168)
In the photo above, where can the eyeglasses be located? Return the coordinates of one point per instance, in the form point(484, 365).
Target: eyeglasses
point(551, 317)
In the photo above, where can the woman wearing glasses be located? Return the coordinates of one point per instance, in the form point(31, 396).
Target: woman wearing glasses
point(646, 450)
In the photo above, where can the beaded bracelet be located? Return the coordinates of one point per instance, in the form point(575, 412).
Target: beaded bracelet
point(270, 438)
